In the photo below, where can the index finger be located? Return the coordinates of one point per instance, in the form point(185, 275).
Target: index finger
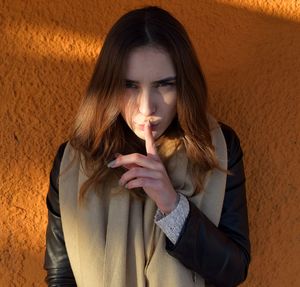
point(149, 141)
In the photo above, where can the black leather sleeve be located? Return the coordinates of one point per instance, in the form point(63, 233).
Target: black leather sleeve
point(221, 255)
point(56, 263)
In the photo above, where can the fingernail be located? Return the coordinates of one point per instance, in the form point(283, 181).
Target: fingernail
point(111, 164)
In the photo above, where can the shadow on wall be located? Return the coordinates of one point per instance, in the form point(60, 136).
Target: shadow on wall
point(21, 266)
point(251, 62)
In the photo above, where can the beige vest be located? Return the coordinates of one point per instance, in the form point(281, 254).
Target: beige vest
point(113, 241)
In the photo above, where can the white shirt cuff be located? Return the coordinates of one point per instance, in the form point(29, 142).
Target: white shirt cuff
point(172, 224)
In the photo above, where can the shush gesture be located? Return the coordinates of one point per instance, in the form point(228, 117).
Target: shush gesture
point(149, 173)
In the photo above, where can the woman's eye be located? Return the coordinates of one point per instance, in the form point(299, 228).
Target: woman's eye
point(164, 85)
point(130, 86)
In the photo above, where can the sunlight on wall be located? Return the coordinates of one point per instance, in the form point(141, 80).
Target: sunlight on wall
point(287, 9)
point(40, 41)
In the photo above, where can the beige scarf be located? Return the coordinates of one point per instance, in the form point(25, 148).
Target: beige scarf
point(113, 241)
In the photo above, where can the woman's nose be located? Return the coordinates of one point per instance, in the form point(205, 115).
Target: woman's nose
point(146, 103)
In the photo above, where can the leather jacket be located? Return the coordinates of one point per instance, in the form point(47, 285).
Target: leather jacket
point(221, 255)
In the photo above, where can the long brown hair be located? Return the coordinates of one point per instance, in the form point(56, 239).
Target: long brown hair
point(99, 130)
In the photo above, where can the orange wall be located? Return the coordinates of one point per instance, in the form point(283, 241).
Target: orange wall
point(249, 51)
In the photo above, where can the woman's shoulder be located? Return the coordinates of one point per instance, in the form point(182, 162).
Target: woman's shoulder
point(60, 151)
point(234, 149)
point(229, 133)
point(54, 174)
point(52, 196)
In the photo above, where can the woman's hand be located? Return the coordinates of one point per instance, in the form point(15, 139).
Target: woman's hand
point(149, 173)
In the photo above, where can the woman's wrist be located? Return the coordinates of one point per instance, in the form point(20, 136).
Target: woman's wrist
point(172, 204)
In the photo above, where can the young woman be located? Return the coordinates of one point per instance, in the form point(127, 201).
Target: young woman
point(149, 189)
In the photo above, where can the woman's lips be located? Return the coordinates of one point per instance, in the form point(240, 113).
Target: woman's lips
point(153, 127)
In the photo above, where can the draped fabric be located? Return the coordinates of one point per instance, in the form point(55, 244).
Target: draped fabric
point(112, 240)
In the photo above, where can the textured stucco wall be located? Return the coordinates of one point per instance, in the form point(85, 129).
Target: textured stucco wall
point(249, 51)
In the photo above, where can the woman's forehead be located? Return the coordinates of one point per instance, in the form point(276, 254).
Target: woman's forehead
point(149, 63)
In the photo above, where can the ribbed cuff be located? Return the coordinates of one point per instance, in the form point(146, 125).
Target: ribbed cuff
point(172, 224)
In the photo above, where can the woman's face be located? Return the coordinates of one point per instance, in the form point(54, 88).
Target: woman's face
point(150, 92)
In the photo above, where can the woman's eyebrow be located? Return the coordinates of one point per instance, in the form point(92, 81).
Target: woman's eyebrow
point(168, 79)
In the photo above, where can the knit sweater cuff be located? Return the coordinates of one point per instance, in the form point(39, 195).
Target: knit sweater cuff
point(172, 224)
